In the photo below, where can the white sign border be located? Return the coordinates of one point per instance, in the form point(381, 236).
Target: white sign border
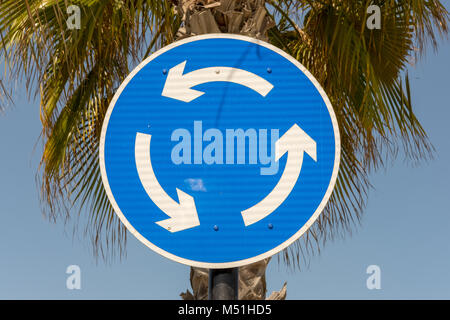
point(247, 261)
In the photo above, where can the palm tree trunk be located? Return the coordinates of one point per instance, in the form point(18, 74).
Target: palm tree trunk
point(246, 17)
point(252, 283)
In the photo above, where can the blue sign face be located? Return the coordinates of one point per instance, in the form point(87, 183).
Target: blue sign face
point(219, 150)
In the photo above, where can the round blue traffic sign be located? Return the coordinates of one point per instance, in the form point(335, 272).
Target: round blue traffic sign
point(219, 150)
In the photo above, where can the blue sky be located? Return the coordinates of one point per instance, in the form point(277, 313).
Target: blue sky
point(404, 229)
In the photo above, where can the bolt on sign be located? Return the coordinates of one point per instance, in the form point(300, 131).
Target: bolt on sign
point(219, 150)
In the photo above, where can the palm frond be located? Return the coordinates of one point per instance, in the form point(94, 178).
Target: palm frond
point(78, 72)
point(362, 72)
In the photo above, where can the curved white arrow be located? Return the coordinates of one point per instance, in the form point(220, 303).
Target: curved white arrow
point(295, 142)
point(182, 215)
point(178, 85)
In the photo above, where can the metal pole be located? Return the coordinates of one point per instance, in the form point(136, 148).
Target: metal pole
point(223, 284)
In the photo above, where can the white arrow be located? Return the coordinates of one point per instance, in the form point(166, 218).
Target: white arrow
point(182, 215)
point(295, 142)
point(178, 85)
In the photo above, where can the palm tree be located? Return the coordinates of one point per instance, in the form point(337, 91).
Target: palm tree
point(76, 72)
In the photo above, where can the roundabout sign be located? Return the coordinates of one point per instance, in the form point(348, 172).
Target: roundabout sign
point(219, 150)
